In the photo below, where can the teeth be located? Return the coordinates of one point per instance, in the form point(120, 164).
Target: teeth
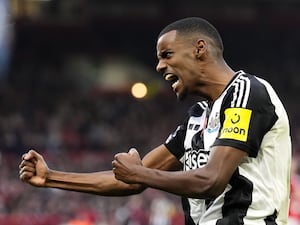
point(175, 84)
point(168, 77)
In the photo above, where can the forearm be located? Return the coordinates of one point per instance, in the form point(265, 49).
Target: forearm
point(208, 181)
point(190, 184)
point(100, 183)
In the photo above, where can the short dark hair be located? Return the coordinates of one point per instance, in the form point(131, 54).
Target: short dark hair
point(195, 25)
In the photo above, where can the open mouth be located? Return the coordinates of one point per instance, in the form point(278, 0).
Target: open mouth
point(171, 78)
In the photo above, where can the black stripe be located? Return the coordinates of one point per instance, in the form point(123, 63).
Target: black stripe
point(196, 110)
point(236, 201)
point(187, 210)
point(271, 220)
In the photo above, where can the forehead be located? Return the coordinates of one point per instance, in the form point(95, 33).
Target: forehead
point(167, 40)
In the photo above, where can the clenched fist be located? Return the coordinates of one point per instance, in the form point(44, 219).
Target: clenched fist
point(33, 169)
point(126, 166)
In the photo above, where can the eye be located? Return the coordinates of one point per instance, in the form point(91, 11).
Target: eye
point(166, 54)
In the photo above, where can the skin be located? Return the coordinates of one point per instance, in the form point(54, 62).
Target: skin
point(34, 170)
point(201, 70)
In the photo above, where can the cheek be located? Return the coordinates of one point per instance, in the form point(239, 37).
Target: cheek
point(187, 75)
point(183, 68)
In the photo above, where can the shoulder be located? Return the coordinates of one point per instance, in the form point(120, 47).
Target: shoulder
point(248, 90)
point(198, 108)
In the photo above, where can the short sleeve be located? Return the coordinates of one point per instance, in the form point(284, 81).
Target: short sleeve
point(175, 142)
point(243, 126)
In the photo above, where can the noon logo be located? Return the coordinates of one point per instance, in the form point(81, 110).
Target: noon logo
point(236, 124)
point(235, 119)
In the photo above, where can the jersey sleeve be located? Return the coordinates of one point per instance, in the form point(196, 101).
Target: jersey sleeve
point(175, 141)
point(246, 115)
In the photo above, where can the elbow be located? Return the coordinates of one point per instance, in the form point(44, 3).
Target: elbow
point(136, 189)
point(214, 191)
point(214, 188)
point(210, 187)
point(117, 188)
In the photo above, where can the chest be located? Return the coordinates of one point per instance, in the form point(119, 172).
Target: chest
point(201, 133)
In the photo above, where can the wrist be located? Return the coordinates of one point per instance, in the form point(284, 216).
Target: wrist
point(48, 175)
point(139, 177)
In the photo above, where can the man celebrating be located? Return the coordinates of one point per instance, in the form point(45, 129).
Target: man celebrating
point(230, 160)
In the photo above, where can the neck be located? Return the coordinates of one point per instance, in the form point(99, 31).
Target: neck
point(218, 77)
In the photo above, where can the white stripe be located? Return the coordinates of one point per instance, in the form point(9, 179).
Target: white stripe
point(203, 105)
point(247, 91)
point(241, 92)
point(234, 94)
point(238, 74)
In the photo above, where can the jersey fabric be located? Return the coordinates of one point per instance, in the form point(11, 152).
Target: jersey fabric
point(248, 116)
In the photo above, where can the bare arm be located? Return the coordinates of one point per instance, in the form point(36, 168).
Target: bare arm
point(100, 183)
point(206, 182)
point(34, 170)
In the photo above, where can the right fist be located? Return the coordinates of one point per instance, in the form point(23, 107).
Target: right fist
point(33, 169)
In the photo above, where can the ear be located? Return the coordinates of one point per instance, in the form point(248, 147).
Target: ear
point(201, 48)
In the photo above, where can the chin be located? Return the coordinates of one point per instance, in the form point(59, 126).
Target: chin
point(181, 96)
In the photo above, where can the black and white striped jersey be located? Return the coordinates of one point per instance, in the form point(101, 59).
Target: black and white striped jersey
point(248, 116)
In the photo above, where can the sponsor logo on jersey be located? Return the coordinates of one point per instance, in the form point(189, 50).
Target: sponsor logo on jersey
point(236, 124)
point(195, 159)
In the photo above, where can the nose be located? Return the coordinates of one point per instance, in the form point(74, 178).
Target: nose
point(161, 66)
